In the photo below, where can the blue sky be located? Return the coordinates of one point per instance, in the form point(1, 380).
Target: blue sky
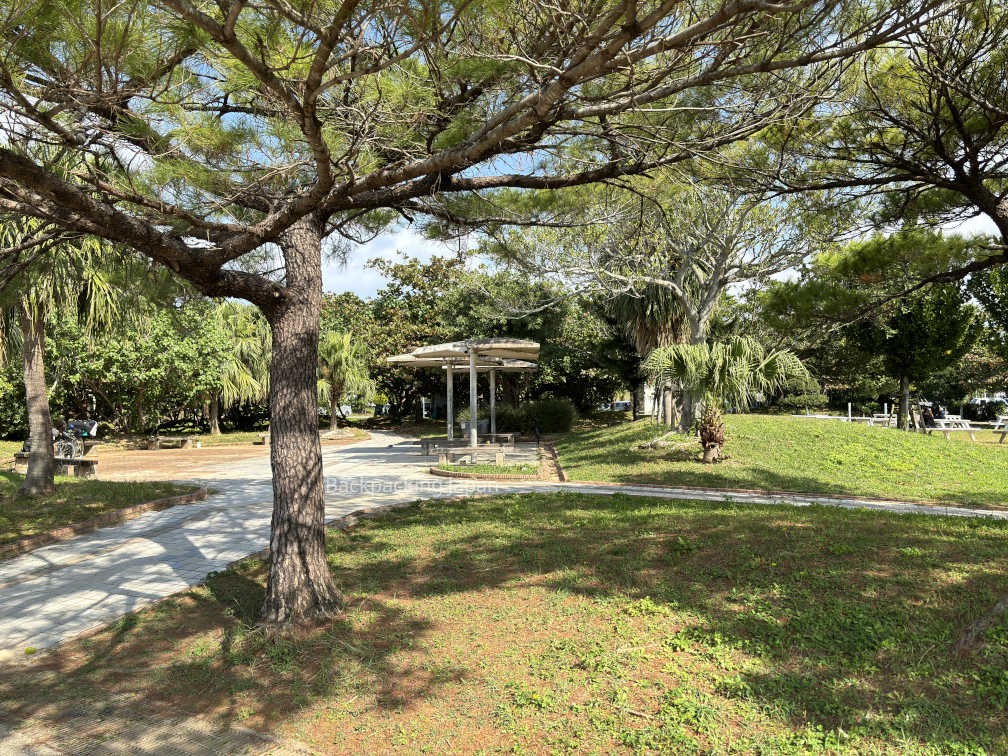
point(365, 282)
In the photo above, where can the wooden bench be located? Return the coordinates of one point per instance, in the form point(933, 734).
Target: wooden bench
point(447, 456)
point(83, 468)
point(184, 442)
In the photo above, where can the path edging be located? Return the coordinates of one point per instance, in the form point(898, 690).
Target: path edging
point(481, 476)
point(805, 495)
point(115, 517)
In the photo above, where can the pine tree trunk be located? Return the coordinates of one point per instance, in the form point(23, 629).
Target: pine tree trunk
point(215, 415)
point(300, 587)
point(41, 462)
point(904, 408)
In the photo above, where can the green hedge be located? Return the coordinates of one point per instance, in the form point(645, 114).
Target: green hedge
point(552, 416)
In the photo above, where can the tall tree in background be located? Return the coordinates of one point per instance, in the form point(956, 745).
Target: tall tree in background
point(927, 333)
point(57, 275)
point(343, 370)
point(853, 295)
point(224, 127)
point(244, 371)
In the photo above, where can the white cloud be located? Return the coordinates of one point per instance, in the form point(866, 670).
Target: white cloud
point(973, 226)
point(364, 281)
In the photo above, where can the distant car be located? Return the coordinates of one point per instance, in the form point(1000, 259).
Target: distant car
point(622, 406)
point(604, 407)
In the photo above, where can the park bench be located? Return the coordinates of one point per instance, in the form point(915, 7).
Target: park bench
point(262, 439)
point(184, 442)
point(449, 455)
point(83, 468)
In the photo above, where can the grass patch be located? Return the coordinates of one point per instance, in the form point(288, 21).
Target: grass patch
point(8, 448)
point(486, 469)
point(793, 454)
point(75, 500)
point(588, 624)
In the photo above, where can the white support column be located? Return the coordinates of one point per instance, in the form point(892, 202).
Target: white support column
point(450, 397)
point(493, 401)
point(473, 439)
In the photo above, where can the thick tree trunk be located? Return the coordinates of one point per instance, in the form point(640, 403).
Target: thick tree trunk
point(215, 415)
point(41, 463)
point(904, 407)
point(333, 407)
point(300, 587)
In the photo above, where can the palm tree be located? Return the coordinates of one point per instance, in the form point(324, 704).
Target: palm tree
point(651, 318)
point(734, 373)
point(48, 275)
point(245, 371)
point(343, 370)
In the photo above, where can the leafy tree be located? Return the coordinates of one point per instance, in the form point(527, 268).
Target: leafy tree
point(845, 298)
point(990, 288)
point(920, 130)
point(925, 334)
point(343, 370)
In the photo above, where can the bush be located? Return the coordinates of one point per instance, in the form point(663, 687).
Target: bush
point(796, 402)
point(552, 415)
point(986, 412)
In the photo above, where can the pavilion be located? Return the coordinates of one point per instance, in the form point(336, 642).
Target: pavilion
point(494, 355)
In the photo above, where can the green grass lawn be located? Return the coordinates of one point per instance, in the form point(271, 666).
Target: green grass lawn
point(488, 469)
point(8, 448)
point(74, 501)
point(785, 453)
point(576, 624)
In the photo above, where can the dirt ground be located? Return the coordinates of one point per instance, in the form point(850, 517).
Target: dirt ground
point(178, 464)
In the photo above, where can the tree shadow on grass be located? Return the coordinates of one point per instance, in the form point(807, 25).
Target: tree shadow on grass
point(847, 617)
point(852, 614)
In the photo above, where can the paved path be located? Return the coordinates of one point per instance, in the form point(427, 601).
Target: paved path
point(59, 591)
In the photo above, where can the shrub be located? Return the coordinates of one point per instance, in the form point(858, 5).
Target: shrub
point(795, 402)
point(986, 412)
point(552, 415)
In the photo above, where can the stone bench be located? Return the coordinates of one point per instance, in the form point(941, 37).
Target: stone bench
point(184, 442)
point(83, 468)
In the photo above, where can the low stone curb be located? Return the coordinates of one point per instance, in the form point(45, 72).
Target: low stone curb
point(804, 496)
point(481, 476)
point(555, 458)
point(115, 517)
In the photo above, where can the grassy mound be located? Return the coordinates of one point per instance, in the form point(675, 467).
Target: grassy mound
point(795, 454)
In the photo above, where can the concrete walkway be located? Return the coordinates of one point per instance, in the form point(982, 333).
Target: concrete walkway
point(59, 591)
